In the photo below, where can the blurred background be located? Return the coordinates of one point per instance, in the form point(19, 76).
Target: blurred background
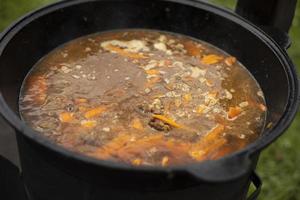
point(279, 165)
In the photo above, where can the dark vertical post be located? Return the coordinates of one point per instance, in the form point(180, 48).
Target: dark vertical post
point(274, 13)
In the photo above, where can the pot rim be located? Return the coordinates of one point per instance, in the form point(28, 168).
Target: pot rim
point(267, 138)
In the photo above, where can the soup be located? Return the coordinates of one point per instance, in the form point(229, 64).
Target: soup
point(143, 97)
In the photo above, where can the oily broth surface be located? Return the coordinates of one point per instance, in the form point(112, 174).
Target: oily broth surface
point(144, 98)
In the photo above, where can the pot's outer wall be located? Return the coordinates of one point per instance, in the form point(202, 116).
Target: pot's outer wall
point(45, 180)
point(52, 175)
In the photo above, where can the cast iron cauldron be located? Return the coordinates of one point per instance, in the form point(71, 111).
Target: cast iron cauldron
point(53, 173)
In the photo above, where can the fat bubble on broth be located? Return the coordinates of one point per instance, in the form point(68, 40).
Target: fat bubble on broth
point(143, 97)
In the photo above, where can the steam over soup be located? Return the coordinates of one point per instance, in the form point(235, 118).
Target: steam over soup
point(144, 98)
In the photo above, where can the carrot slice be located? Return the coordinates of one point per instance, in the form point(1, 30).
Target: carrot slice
point(188, 97)
point(165, 161)
point(80, 100)
point(124, 53)
point(137, 162)
point(95, 112)
point(66, 117)
point(82, 108)
point(88, 123)
point(168, 121)
point(213, 134)
point(203, 153)
point(171, 122)
point(229, 61)
point(210, 137)
point(152, 72)
point(234, 112)
point(211, 59)
point(206, 145)
point(201, 109)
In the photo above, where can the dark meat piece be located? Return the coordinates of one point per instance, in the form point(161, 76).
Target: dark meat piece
point(159, 125)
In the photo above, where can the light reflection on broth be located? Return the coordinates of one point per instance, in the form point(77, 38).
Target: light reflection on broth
point(144, 98)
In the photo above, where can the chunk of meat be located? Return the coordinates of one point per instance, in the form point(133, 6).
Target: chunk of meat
point(159, 125)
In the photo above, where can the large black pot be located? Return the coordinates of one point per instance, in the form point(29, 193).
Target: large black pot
point(51, 172)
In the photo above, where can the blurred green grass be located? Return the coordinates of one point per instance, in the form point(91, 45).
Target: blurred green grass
point(279, 165)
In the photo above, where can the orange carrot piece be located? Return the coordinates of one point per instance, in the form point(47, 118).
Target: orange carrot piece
point(234, 112)
point(211, 59)
point(95, 112)
point(192, 49)
point(171, 122)
point(82, 108)
point(137, 162)
point(152, 72)
point(66, 117)
point(207, 144)
point(88, 123)
point(229, 61)
point(80, 100)
point(124, 53)
point(203, 153)
point(137, 124)
point(188, 97)
point(165, 161)
point(213, 134)
point(262, 107)
point(168, 121)
point(209, 83)
point(201, 109)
